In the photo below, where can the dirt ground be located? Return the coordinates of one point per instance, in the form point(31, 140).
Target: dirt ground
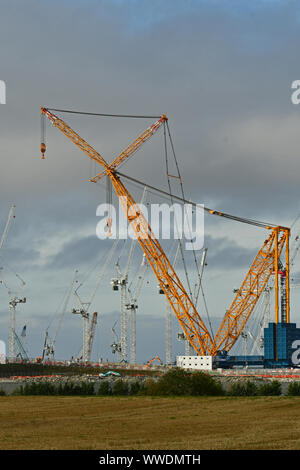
point(149, 423)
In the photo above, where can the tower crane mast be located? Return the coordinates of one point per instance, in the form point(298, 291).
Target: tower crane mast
point(87, 342)
point(91, 335)
point(132, 307)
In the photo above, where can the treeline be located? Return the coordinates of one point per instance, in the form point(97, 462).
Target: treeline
point(176, 382)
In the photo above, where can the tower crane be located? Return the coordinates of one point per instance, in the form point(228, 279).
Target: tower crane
point(49, 345)
point(14, 300)
point(116, 344)
point(91, 335)
point(22, 352)
point(132, 307)
point(265, 262)
point(122, 281)
point(83, 311)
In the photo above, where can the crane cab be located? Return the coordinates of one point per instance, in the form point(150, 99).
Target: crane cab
point(115, 284)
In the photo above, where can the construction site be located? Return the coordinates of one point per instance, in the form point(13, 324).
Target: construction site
point(149, 228)
point(256, 335)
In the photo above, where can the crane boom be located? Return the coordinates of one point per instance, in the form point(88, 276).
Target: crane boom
point(72, 135)
point(133, 147)
point(168, 280)
point(183, 307)
point(247, 295)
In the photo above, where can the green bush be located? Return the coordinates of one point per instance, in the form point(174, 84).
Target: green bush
point(135, 388)
point(104, 388)
point(150, 387)
point(2, 393)
point(42, 388)
point(270, 389)
point(204, 384)
point(178, 382)
point(294, 389)
point(248, 389)
point(120, 387)
point(82, 389)
point(47, 388)
point(174, 382)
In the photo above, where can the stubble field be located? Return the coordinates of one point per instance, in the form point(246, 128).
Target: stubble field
point(149, 423)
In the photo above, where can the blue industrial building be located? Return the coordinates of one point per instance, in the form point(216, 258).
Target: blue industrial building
point(278, 349)
point(278, 341)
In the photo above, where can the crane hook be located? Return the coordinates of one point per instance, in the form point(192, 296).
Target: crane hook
point(43, 150)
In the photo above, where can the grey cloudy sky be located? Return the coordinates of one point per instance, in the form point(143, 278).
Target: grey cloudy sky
point(221, 71)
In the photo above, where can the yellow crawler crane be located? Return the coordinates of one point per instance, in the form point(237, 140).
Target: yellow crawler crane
point(265, 263)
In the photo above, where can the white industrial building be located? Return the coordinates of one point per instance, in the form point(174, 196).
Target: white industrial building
point(195, 362)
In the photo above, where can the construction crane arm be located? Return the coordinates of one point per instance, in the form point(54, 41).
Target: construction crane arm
point(168, 280)
point(248, 294)
point(183, 307)
point(72, 135)
point(90, 151)
point(133, 147)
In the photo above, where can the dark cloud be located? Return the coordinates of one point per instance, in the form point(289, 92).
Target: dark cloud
point(223, 253)
point(221, 71)
point(82, 252)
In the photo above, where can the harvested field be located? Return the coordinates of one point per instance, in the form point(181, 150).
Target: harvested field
point(149, 423)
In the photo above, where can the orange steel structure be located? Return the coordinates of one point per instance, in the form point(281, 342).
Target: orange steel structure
point(264, 264)
point(253, 285)
point(155, 358)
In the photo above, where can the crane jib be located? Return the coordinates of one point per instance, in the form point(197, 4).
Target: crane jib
point(262, 267)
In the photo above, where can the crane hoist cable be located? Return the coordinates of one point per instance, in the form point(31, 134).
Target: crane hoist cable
point(91, 152)
point(218, 213)
point(134, 116)
point(178, 176)
point(166, 125)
